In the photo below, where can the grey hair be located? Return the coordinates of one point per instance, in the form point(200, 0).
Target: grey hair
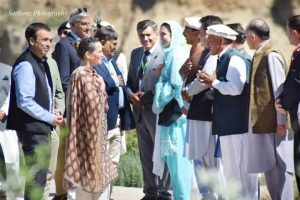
point(260, 28)
point(76, 14)
point(142, 25)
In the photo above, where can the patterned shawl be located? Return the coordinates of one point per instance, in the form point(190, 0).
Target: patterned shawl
point(87, 161)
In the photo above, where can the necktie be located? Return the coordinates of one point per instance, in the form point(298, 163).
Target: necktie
point(142, 68)
point(145, 58)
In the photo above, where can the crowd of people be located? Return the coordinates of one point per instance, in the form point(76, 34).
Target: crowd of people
point(208, 113)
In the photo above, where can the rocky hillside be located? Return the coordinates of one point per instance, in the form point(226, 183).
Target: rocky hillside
point(15, 15)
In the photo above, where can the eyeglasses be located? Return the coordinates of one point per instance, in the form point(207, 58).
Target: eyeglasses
point(82, 10)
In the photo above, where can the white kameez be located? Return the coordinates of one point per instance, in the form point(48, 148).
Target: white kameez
point(268, 153)
point(199, 140)
point(232, 146)
point(10, 147)
point(9, 141)
point(261, 147)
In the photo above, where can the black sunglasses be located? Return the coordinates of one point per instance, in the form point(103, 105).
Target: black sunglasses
point(65, 32)
point(82, 10)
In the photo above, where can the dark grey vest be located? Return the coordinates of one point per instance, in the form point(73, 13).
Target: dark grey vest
point(230, 113)
point(19, 120)
point(201, 104)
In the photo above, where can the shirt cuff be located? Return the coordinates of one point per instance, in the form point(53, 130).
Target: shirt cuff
point(215, 83)
point(50, 118)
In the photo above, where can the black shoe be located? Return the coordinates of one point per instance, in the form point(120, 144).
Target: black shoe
point(164, 198)
point(61, 197)
point(163, 195)
point(150, 197)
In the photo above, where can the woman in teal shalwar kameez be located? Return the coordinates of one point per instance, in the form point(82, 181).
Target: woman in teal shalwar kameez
point(169, 85)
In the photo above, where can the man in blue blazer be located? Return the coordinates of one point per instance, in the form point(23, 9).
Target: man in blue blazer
point(65, 53)
point(119, 107)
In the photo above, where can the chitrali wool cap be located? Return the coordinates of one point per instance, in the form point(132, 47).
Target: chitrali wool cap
point(193, 22)
point(222, 31)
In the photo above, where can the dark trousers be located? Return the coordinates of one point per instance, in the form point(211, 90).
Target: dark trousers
point(296, 130)
point(153, 186)
point(36, 148)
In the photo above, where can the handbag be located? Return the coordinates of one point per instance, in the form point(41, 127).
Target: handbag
point(170, 114)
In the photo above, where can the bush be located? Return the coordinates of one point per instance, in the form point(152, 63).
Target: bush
point(130, 170)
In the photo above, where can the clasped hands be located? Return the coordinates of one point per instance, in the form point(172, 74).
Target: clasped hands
point(135, 98)
point(205, 77)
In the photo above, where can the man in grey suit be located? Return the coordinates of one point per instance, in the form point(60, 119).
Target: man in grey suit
point(140, 85)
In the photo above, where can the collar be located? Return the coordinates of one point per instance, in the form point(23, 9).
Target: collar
point(106, 59)
point(153, 48)
point(42, 59)
point(224, 50)
point(297, 48)
point(264, 43)
point(76, 37)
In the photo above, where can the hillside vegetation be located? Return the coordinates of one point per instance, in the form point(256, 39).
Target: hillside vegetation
point(124, 14)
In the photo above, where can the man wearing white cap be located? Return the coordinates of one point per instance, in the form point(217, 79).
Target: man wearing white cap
point(270, 144)
point(230, 110)
point(192, 34)
point(200, 143)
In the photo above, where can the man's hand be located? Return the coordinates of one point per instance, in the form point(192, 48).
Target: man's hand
point(121, 80)
point(2, 115)
point(206, 78)
point(281, 130)
point(279, 107)
point(185, 95)
point(135, 99)
point(184, 111)
point(58, 119)
point(185, 68)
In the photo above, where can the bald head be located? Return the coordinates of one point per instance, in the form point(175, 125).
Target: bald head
point(260, 28)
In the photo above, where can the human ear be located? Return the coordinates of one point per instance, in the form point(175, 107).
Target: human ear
point(31, 41)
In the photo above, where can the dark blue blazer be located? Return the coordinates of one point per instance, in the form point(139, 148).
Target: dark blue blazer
point(66, 58)
point(290, 96)
point(126, 116)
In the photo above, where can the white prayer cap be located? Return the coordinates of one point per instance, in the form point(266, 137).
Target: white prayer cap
point(222, 31)
point(193, 22)
point(105, 23)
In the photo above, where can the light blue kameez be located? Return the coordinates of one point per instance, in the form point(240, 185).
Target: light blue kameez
point(168, 86)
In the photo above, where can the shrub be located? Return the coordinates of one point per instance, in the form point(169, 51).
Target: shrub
point(130, 170)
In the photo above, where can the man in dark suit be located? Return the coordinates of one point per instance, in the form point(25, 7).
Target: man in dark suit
point(140, 87)
point(290, 97)
point(65, 50)
point(117, 97)
point(65, 55)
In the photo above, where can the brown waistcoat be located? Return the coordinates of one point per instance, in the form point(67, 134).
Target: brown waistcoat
point(263, 113)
